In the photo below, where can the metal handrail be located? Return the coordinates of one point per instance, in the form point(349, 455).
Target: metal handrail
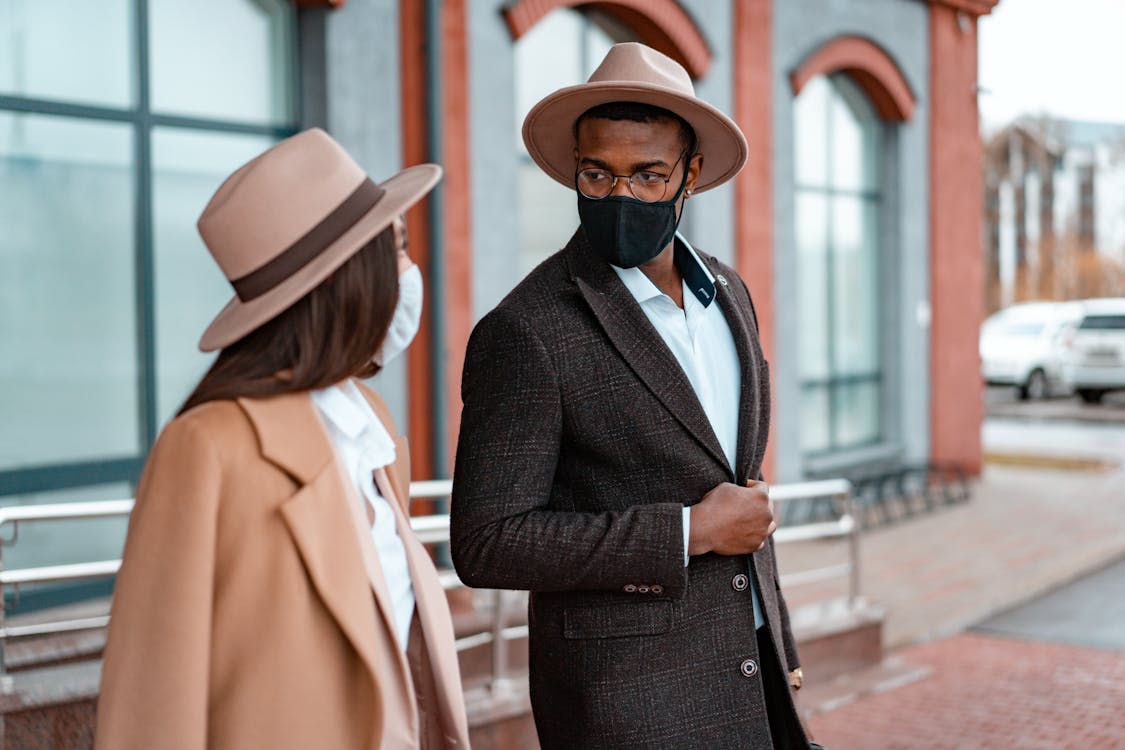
point(431, 529)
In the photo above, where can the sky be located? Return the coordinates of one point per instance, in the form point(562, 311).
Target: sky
point(1062, 57)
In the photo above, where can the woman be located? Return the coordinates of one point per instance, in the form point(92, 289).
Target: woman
point(271, 593)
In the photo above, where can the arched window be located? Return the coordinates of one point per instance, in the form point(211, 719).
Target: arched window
point(118, 119)
point(838, 192)
point(563, 49)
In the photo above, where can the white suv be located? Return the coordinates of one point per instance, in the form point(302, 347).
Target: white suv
point(1023, 346)
point(1095, 363)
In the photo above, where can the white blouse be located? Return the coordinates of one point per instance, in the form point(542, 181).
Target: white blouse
point(362, 445)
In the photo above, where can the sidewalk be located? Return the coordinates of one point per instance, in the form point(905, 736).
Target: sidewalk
point(1024, 532)
point(990, 692)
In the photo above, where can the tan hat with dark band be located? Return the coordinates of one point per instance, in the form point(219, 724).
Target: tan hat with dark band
point(287, 219)
point(632, 72)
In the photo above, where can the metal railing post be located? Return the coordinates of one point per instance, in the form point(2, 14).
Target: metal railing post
point(499, 643)
point(3, 611)
point(853, 550)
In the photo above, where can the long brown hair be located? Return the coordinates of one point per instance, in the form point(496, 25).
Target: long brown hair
point(330, 334)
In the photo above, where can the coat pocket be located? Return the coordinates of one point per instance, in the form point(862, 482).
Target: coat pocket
point(618, 620)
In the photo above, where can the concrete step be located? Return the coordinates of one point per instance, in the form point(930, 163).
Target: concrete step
point(50, 707)
point(836, 637)
point(500, 716)
point(890, 673)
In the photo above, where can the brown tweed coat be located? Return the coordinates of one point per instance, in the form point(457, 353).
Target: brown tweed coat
point(581, 440)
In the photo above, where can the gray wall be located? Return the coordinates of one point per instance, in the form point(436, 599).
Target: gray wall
point(901, 27)
point(708, 221)
point(350, 87)
point(492, 114)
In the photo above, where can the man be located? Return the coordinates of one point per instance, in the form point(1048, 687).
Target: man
point(616, 407)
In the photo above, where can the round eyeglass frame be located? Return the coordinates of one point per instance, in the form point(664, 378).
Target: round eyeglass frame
point(629, 178)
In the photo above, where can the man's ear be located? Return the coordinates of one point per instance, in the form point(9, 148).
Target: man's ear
point(695, 168)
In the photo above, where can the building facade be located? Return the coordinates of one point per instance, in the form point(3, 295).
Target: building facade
point(1054, 211)
point(856, 224)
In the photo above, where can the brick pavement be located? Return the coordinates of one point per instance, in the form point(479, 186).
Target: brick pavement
point(990, 692)
point(1025, 532)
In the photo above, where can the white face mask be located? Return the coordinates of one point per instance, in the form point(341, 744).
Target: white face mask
point(407, 317)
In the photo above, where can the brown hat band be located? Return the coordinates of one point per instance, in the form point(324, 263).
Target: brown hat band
point(313, 243)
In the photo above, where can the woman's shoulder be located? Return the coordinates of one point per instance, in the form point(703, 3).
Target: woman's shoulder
point(213, 424)
point(210, 416)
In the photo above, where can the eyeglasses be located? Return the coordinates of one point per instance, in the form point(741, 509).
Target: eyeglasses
point(644, 184)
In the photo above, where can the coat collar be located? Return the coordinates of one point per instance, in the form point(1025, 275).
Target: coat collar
point(290, 434)
point(639, 343)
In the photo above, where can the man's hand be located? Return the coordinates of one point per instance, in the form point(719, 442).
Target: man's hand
point(732, 520)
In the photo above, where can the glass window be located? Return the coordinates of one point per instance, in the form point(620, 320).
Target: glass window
point(837, 136)
point(813, 313)
point(563, 49)
point(60, 49)
point(228, 59)
point(856, 288)
point(812, 146)
point(68, 309)
point(105, 285)
point(188, 166)
point(1103, 323)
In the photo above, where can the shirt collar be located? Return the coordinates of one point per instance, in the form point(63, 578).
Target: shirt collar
point(347, 411)
point(697, 277)
point(341, 410)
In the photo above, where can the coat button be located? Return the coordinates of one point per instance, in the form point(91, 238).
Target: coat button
point(749, 668)
point(630, 588)
point(740, 582)
point(657, 589)
point(642, 589)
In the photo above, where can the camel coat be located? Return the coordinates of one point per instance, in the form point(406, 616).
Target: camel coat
point(247, 613)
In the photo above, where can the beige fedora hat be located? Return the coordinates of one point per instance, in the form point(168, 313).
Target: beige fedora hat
point(291, 216)
point(632, 72)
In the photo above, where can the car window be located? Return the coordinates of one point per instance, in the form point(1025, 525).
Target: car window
point(1103, 323)
point(1021, 329)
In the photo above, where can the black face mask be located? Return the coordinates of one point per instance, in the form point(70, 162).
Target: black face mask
point(628, 232)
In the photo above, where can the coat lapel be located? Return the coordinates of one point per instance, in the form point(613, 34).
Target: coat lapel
point(752, 379)
point(631, 333)
point(432, 611)
point(291, 436)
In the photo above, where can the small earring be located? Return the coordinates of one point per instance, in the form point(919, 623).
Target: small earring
point(689, 191)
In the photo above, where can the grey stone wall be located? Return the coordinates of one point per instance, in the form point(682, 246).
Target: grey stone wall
point(708, 221)
point(492, 129)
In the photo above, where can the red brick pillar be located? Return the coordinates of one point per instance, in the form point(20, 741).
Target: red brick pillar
point(753, 188)
point(956, 228)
